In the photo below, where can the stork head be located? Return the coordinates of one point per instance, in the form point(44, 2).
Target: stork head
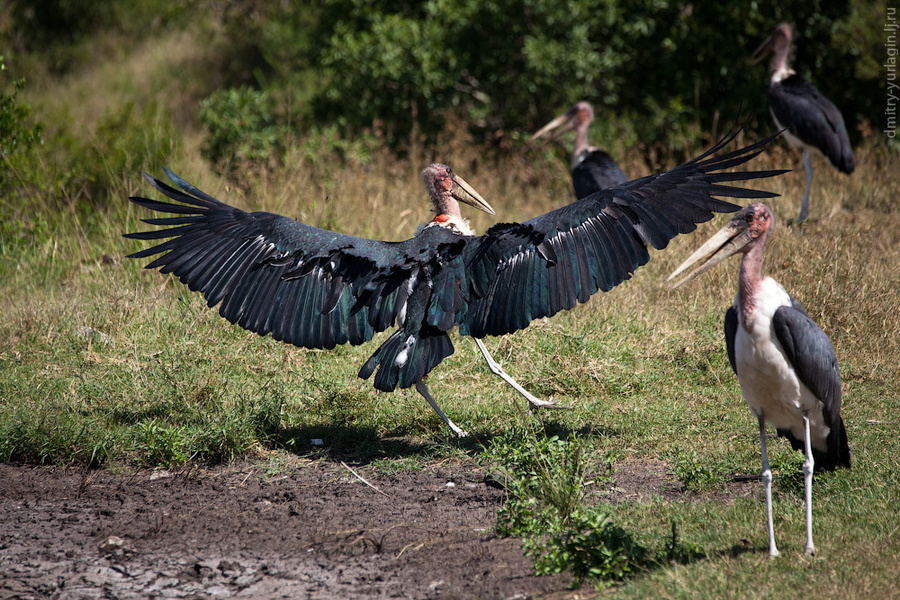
point(779, 44)
point(577, 117)
point(446, 189)
point(749, 228)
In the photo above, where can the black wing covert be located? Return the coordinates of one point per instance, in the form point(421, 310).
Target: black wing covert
point(809, 351)
point(307, 286)
point(799, 106)
point(521, 272)
point(731, 325)
point(596, 172)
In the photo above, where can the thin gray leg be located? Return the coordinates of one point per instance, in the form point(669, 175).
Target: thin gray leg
point(497, 370)
point(423, 389)
point(807, 482)
point(804, 207)
point(767, 480)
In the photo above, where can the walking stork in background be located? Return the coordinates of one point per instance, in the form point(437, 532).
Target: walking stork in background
point(315, 288)
point(813, 123)
point(784, 362)
point(592, 169)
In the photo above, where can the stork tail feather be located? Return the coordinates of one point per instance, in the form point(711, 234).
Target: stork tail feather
point(837, 454)
point(406, 359)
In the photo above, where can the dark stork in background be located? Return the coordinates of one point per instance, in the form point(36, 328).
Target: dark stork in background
point(784, 362)
point(592, 169)
point(315, 288)
point(813, 123)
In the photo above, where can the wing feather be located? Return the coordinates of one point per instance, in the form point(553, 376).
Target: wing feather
point(250, 264)
point(596, 242)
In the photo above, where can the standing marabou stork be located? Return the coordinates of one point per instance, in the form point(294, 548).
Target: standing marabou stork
point(316, 288)
point(813, 123)
point(784, 362)
point(592, 169)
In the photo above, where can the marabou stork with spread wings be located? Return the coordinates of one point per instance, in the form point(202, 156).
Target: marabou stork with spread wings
point(811, 122)
point(316, 288)
point(784, 362)
point(592, 168)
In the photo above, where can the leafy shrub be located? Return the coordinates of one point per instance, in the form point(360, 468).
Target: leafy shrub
point(657, 69)
point(17, 138)
point(592, 547)
point(545, 478)
point(129, 139)
point(242, 128)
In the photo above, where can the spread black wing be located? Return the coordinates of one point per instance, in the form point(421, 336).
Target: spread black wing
point(304, 285)
point(520, 272)
point(316, 288)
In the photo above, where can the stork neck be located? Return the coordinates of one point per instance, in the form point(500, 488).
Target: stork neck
point(749, 280)
point(780, 67)
point(446, 206)
point(581, 147)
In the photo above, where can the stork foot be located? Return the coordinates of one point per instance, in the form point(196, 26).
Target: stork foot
point(423, 391)
point(496, 369)
point(810, 551)
point(535, 403)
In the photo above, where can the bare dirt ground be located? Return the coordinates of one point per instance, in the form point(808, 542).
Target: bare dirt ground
point(308, 529)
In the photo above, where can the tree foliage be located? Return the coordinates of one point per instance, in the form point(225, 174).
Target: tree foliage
point(654, 69)
point(17, 135)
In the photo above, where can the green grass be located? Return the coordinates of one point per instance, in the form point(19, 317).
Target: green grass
point(165, 380)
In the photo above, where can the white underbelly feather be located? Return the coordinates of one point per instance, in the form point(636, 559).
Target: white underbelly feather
point(769, 383)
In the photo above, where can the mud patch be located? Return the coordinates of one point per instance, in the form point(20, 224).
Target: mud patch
point(312, 530)
point(316, 529)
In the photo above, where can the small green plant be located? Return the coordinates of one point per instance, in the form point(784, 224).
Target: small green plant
point(391, 466)
point(696, 475)
point(593, 547)
point(161, 444)
point(545, 478)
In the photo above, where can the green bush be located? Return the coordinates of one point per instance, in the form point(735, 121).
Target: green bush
point(18, 138)
point(242, 128)
point(545, 479)
point(129, 139)
point(662, 71)
point(593, 547)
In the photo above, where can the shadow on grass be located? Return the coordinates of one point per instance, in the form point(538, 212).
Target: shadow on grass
point(362, 445)
point(738, 550)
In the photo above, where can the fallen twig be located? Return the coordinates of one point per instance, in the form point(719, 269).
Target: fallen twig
point(360, 477)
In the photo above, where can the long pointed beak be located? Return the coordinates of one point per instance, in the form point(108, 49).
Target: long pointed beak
point(725, 242)
point(560, 121)
point(463, 192)
point(763, 49)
